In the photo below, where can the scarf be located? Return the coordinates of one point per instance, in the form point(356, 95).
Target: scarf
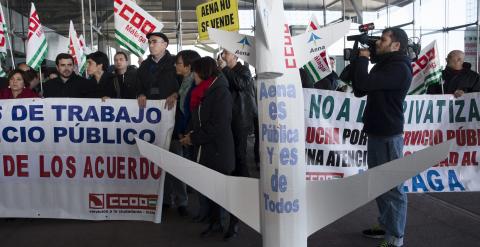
point(187, 83)
point(199, 91)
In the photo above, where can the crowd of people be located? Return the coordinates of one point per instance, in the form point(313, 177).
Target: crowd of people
point(216, 109)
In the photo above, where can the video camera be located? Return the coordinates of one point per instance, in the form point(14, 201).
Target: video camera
point(350, 54)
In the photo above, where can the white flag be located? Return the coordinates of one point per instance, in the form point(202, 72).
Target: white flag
point(313, 24)
point(36, 41)
point(3, 31)
point(426, 70)
point(132, 24)
point(2, 72)
point(83, 45)
point(75, 49)
point(318, 67)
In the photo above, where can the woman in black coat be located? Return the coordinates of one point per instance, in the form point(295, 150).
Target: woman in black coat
point(211, 135)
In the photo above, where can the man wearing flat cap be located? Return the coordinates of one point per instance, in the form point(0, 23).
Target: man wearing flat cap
point(157, 80)
point(156, 76)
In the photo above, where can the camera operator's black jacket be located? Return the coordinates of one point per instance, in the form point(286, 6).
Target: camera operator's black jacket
point(386, 87)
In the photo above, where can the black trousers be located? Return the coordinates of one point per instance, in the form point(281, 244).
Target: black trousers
point(240, 135)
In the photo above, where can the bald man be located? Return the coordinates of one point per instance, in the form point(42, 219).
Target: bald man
point(458, 77)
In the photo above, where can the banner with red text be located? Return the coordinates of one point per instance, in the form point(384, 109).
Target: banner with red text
point(336, 145)
point(132, 24)
point(77, 158)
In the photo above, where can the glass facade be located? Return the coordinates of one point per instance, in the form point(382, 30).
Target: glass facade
point(453, 24)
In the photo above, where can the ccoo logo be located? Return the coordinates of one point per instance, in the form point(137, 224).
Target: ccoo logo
point(96, 201)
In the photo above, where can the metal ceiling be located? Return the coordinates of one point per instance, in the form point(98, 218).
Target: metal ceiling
point(56, 14)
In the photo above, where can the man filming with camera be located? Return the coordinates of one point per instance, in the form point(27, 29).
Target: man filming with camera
point(386, 86)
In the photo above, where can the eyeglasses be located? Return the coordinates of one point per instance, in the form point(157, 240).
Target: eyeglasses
point(155, 41)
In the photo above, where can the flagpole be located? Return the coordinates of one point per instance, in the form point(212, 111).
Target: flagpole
point(91, 22)
point(41, 80)
point(11, 51)
point(83, 20)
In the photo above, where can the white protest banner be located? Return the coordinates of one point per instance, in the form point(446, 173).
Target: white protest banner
point(426, 69)
point(36, 41)
point(132, 24)
point(336, 145)
point(77, 158)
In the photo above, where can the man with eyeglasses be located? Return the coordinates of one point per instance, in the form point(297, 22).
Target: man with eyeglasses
point(157, 78)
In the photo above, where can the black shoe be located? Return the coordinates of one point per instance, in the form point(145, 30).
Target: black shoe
point(212, 228)
point(200, 219)
point(375, 232)
point(231, 233)
point(182, 211)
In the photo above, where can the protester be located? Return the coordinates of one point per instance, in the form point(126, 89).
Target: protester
point(32, 77)
point(51, 74)
point(125, 80)
point(176, 190)
point(211, 135)
point(102, 86)
point(67, 84)
point(458, 77)
point(18, 86)
point(23, 66)
point(243, 114)
point(386, 86)
point(3, 82)
point(241, 87)
point(157, 78)
point(306, 79)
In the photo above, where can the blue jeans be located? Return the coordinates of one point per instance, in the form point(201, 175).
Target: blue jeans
point(392, 204)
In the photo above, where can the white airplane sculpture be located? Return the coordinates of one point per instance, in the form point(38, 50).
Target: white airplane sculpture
point(276, 205)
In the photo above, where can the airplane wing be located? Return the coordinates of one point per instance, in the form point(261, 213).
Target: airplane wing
point(309, 44)
point(238, 195)
point(243, 46)
point(341, 196)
